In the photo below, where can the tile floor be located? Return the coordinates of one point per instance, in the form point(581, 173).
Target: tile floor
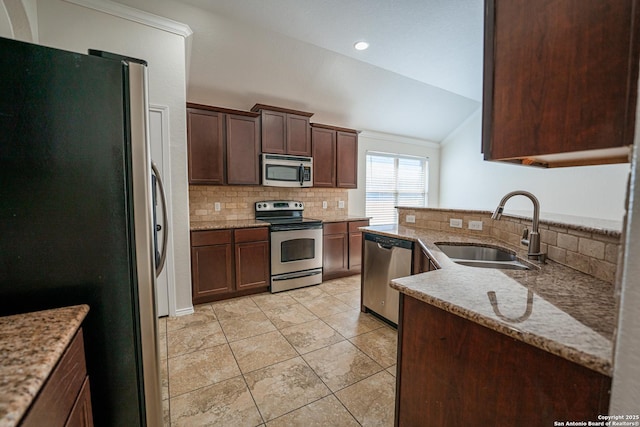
point(306, 357)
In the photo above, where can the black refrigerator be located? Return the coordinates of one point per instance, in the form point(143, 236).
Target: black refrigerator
point(76, 217)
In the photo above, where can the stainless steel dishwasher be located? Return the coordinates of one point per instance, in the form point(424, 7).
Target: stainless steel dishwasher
point(385, 258)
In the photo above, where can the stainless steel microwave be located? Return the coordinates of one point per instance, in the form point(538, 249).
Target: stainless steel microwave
point(287, 171)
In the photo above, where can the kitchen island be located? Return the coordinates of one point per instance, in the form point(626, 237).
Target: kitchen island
point(482, 346)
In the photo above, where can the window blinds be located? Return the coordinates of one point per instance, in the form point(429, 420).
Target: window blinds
point(394, 180)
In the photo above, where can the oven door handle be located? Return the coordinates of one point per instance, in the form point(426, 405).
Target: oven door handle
point(294, 227)
point(296, 275)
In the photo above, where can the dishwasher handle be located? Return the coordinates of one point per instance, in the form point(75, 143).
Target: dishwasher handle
point(388, 242)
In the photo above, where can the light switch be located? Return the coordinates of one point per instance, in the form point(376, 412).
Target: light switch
point(216, 206)
point(341, 204)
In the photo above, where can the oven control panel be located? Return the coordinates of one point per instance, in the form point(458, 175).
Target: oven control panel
point(279, 205)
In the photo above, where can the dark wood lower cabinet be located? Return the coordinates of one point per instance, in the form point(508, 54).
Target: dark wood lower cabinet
point(65, 398)
point(342, 249)
point(454, 372)
point(229, 263)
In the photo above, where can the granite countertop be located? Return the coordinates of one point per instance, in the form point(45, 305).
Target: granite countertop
point(30, 346)
point(247, 223)
point(552, 307)
point(343, 218)
point(225, 224)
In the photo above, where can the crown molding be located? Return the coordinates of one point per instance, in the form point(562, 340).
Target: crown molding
point(136, 15)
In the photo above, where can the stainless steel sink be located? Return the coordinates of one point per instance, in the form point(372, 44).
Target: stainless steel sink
point(481, 256)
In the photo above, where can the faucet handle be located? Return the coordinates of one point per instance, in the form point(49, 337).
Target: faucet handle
point(525, 235)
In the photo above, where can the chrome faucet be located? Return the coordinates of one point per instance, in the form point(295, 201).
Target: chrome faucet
point(532, 239)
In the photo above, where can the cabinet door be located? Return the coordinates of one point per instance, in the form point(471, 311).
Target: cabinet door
point(355, 245)
point(347, 160)
point(243, 150)
point(560, 77)
point(274, 132)
point(335, 255)
point(252, 265)
point(211, 270)
point(324, 157)
point(298, 135)
point(206, 147)
point(81, 414)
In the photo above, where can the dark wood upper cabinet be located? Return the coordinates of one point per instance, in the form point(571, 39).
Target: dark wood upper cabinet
point(323, 142)
point(335, 156)
point(206, 146)
point(284, 131)
point(243, 149)
point(223, 145)
point(560, 81)
point(347, 160)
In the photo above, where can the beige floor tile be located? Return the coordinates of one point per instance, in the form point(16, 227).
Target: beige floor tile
point(311, 336)
point(162, 325)
point(352, 299)
point(325, 412)
point(295, 314)
point(353, 322)
point(372, 400)
point(310, 293)
point(201, 368)
point(270, 301)
point(340, 286)
point(195, 337)
point(202, 314)
point(392, 370)
point(166, 415)
point(227, 403)
point(162, 346)
point(340, 365)
point(164, 379)
point(262, 350)
point(248, 325)
point(325, 306)
point(380, 344)
point(285, 386)
point(234, 308)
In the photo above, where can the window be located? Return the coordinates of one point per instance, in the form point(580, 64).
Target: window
point(394, 180)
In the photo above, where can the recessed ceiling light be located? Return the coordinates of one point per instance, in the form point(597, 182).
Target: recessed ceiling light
point(361, 45)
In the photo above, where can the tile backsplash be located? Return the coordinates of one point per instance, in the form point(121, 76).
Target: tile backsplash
point(589, 250)
point(238, 202)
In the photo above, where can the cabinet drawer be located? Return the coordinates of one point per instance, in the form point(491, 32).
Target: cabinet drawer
point(354, 225)
point(213, 237)
point(58, 395)
point(334, 228)
point(242, 235)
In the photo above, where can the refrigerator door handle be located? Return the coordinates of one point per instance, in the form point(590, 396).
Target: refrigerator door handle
point(165, 229)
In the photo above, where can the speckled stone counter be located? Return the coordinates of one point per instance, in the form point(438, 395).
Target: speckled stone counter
point(344, 218)
point(221, 225)
point(552, 307)
point(30, 346)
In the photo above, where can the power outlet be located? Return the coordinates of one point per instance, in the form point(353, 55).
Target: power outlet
point(216, 206)
point(411, 218)
point(341, 204)
point(455, 223)
point(475, 225)
point(324, 204)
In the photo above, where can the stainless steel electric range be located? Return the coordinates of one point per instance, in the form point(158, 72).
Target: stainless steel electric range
point(296, 244)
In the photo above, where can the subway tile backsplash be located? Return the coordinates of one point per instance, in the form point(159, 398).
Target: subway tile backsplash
point(589, 250)
point(239, 202)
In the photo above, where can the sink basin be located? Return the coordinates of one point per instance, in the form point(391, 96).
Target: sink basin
point(481, 256)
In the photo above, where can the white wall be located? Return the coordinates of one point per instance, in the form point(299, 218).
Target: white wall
point(19, 20)
point(374, 141)
point(71, 27)
point(466, 181)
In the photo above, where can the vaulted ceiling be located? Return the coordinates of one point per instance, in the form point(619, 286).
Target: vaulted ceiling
point(421, 76)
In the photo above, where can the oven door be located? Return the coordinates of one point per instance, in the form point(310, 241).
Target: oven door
point(296, 250)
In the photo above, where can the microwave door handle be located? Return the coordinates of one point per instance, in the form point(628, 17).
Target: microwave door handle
point(301, 174)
